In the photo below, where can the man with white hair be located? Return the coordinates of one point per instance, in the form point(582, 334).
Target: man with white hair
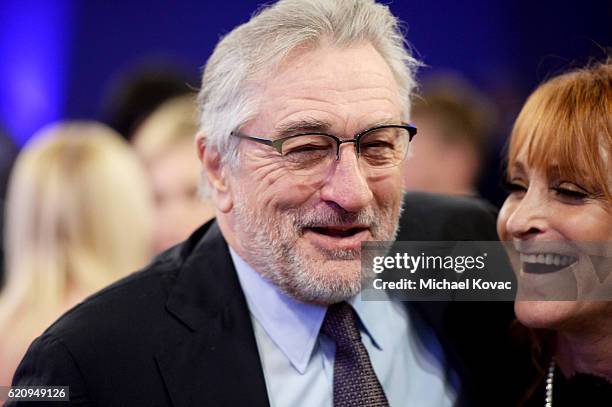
point(304, 125)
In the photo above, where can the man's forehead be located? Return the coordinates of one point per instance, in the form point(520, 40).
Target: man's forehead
point(330, 66)
point(330, 89)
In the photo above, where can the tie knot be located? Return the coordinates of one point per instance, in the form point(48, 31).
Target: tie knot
point(340, 324)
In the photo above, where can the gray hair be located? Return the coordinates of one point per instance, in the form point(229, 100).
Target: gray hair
point(252, 51)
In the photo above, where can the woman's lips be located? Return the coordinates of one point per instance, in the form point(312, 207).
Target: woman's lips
point(543, 263)
point(337, 237)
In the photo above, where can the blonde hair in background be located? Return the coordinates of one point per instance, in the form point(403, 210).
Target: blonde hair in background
point(78, 217)
point(174, 122)
point(566, 126)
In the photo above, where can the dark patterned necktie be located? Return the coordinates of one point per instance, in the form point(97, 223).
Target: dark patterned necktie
point(355, 383)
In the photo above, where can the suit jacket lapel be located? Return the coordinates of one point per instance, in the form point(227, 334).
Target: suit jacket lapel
point(216, 361)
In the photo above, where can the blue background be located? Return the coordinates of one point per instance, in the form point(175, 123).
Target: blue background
point(57, 57)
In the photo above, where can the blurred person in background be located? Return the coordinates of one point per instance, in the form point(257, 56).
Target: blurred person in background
point(8, 152)
point(454, 122)
point(560, 182)
point(136, 93)
point(78, 218)
point(165, 141)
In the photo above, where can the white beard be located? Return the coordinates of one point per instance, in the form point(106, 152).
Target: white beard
point(272, 248)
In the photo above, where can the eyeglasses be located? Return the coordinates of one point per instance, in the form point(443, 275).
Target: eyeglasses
point(309, 154)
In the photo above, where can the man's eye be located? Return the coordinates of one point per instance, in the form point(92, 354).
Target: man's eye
point(306, 155)
point(377, 145)
point(304, 149)
point(305, 144)
point(379, 155)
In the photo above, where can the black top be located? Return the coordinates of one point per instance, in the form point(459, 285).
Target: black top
point(579, 390)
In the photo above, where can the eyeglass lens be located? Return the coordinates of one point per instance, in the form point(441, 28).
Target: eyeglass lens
point(314, 154)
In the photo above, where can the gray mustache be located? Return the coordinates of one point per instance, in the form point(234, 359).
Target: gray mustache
point(334, 218)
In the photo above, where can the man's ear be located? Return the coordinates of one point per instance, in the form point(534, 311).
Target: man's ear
point(218, 181)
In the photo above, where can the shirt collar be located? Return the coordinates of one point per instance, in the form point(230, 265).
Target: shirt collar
point(372, 316)
point(294, 326)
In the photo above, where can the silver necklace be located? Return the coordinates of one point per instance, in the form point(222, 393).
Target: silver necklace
point(549, 384)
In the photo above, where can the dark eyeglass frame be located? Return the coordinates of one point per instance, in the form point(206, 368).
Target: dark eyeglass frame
point(277, 144)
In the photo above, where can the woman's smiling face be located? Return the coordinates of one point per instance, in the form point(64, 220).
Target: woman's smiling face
point(558, 215)
point(560, 228)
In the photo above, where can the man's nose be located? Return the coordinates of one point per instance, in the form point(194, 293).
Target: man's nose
point(345, 184)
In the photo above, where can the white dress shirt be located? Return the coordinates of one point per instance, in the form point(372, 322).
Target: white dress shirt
point(298, 362)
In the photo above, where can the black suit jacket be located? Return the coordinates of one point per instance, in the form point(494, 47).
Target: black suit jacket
point(477, 336)
point(179, 332)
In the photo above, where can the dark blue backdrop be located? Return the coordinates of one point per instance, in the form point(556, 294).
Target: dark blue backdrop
point(57, 56)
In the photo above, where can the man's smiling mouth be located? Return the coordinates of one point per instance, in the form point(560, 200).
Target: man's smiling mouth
point(338, 231)
point(333, 237)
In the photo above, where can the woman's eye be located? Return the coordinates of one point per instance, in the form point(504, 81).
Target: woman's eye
point(514, 186)
point(571, 193)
